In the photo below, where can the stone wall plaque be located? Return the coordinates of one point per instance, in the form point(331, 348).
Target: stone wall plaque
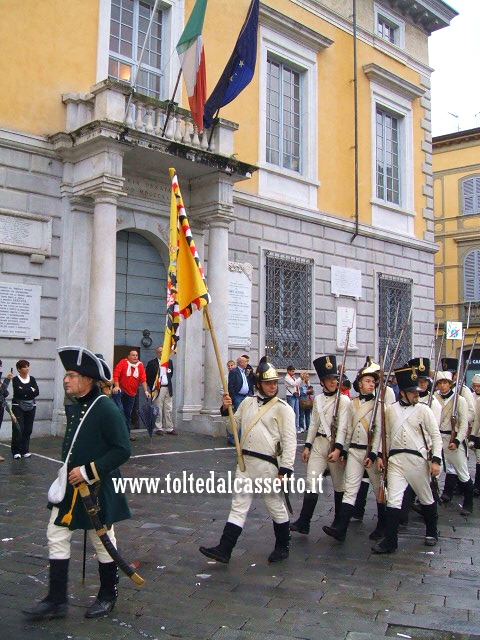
point(346, 282)
point(240, 304)
point(147, 189)
point(25, 233)
point(346, 318)
point(20, 310)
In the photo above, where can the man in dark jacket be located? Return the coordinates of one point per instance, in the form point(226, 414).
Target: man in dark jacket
point(161, 390)
point(100, 447)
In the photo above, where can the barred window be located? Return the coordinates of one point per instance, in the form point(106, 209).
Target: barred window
point(288, 315)
point(394, 302)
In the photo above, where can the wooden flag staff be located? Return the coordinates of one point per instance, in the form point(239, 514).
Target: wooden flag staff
point(233, 424)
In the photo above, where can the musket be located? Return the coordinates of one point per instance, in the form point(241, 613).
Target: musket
point(92, 510)
point(434, 340)
point(333, 424)
point(469, 359)
point(437, 364)
point(456, 393)
point(383, 479)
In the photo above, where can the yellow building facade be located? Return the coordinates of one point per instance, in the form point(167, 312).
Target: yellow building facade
point(310, 199)
point(456, 165)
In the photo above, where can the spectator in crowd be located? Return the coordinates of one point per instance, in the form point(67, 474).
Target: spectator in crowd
point(292, 393)
point(307, 396)
point(128, 374)
point(3, 395)
point(230, 365)
point(25, 390)
point(161, 388)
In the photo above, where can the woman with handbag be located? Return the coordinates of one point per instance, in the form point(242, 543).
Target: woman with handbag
point(307, 396)
point(25, 390)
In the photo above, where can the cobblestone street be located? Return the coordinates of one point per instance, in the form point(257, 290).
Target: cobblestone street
point(325, 590)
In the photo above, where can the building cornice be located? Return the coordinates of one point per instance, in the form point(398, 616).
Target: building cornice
point(315, 216)
point(296, 30)
point(456, 138)
point(391, 81)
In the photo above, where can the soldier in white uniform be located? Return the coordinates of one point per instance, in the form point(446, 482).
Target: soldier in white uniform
point(412, 437)
point(358, 443)
point(451, 479)
point(454, 452)
point(269, 442)
point(474, 439)
point(317, 451)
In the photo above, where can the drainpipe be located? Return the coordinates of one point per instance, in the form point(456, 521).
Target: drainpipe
point(355, 114)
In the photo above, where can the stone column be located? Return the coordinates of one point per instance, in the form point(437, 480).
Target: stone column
point(217, 279)
point(101, 316)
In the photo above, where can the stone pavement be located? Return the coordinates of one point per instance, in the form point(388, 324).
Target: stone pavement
point(324, 591)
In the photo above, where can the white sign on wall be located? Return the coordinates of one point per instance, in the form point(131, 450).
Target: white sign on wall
point(346, 318)
point(346, 282)
point(20, 310)
point(239, 304)
point(453, 330)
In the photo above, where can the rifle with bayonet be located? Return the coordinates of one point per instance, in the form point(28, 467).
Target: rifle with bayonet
point(456, 393)
point(383, 474)
point(333, 424)
point(437, 364)
point(433, 479)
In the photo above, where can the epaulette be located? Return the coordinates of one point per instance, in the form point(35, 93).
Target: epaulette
point(283, 402)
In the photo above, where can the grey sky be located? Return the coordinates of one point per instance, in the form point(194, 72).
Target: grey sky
point(455, 57)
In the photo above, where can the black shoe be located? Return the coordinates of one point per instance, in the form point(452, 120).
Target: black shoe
point(430, 541)
point(278, 554)
point(378, 548)
point(46, 610)
point(216, 553)
point(333, 532)
point(377, 534)
point(100, 608)
point(299, 527)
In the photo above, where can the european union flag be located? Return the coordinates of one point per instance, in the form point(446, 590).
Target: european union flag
point(240, 67)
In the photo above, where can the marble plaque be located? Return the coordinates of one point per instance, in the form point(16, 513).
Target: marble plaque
point(239, 305)
point(20, 310)
point(346, 318)
point(25, 233)
point(346, 282)
point(147, 189)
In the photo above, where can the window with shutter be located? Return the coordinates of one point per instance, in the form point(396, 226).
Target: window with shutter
point(471, 275)
point(471, 195)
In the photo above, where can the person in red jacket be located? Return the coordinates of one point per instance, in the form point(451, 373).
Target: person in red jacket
point(128, 374)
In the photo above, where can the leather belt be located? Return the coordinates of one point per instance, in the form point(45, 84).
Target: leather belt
point(413, 452)
point(447, 433)
point(353, 445)
point(321, 435)
point(261, 456)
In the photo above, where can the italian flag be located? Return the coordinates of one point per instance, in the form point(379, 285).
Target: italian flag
point(192, 60)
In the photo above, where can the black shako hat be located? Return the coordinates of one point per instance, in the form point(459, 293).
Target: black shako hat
point(326, 366)
point(407, 378)
point(422, 365)
point(450, 364)
point(84, 362)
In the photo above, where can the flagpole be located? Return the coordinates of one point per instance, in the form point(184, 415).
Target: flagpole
point(170, 103)
point(233, 424)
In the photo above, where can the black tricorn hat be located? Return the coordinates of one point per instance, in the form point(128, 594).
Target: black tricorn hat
point(422, 365)
point(326, 366)
point(106, 369)
point(407, 378)
point(450, 364)
point(84, 362)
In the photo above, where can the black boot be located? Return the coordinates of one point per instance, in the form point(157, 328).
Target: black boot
point(476, 486)
point(389, 543)
point(302, 525)
point(282, 542)
point(361, 501)
point(339, 531)
point(407, 502)
point(338, 497)
point(223, 550)
point(379, 531)
point(448, 488)
point(107, 595)
point(467, 488)
point(430, 515)
point(55, 605)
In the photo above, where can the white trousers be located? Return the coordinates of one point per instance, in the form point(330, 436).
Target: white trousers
point(164, 404)
point(354, 474)
point(317, 463)
point(406, 469)
point(456, 459)
point(243, 496)
point(59, 539)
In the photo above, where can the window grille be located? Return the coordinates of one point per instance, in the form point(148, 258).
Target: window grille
point(394, 295)
point(471, 195)
point(283, 116)
point(128, 27)
point(388, 157)
point(288, 315)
